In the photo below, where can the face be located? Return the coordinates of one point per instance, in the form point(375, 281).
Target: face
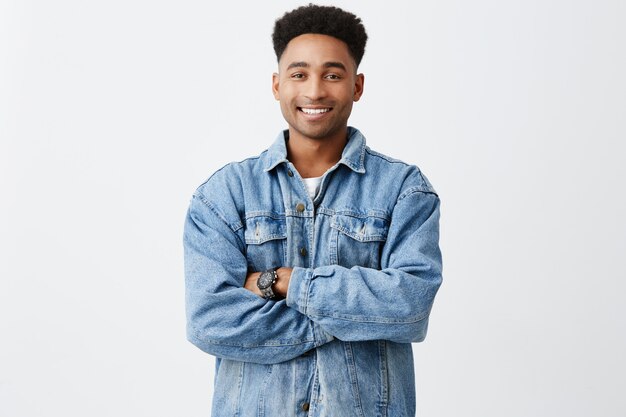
point(316, 86)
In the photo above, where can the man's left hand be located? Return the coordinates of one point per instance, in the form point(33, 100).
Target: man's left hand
point(280, 287)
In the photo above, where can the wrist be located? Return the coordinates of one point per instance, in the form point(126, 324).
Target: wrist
point(266, 283)
point(281, 286)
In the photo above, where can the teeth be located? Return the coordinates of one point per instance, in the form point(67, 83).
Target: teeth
point(314, 111)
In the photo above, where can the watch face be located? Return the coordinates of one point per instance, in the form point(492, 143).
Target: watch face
point(266, 280)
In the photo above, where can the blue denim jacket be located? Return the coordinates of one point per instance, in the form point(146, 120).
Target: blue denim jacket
point(366, 268)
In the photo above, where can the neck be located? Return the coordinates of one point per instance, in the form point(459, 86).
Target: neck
point(313, 157)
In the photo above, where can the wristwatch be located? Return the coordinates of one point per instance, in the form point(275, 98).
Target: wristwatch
point(265, 282)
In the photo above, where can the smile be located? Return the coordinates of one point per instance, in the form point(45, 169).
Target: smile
point(314, 111)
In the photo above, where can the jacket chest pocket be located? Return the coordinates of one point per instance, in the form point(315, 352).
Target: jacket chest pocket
point(357, 240)
point(266, 241)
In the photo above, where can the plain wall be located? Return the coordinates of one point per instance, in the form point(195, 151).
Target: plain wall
point(112, 112)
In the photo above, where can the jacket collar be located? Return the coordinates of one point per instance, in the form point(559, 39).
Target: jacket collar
point(353, 154)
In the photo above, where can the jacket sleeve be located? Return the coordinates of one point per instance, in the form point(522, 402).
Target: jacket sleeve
point(393, 303)
point(223, 318)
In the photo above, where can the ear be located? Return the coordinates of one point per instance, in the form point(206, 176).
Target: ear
point(358, 86)
point(275, 85)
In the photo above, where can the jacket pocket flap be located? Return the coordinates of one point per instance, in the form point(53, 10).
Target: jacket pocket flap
point(363, 229)
point(261, 229)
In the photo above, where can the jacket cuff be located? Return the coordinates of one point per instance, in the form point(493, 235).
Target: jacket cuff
point(321, 336)
point(298, 291)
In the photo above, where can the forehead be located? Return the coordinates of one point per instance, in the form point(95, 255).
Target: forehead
point(315, 50)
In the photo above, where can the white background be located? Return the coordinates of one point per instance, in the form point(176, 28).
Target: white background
point(112, 112)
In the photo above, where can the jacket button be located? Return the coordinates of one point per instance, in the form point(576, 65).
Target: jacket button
point(300, 208)
point(305, 407)
point(303, 251)
point(290, 173)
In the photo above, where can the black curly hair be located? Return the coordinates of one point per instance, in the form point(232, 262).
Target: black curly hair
point(324, 20)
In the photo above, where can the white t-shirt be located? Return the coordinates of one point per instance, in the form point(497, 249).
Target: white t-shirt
point(312, 185)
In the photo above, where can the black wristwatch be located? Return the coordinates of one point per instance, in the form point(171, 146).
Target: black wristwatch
point(265, 282)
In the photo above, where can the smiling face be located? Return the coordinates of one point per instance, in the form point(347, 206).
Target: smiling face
point(316, 86)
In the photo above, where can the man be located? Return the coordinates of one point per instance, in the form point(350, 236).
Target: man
point(312, 267)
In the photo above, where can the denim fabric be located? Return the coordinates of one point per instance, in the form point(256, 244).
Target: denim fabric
point(367, 266)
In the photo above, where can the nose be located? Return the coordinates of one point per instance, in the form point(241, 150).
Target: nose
point(315, 89)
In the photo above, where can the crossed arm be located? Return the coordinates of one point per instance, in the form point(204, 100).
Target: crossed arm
point(228, 318)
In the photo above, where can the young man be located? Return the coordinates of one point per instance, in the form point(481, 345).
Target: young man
point(312, 267)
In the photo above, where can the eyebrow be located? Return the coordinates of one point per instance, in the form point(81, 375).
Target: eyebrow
point(331, 64)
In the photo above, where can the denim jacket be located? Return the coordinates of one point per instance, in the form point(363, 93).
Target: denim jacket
point(366, 268)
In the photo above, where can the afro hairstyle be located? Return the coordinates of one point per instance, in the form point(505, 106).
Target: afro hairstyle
point(324, 20)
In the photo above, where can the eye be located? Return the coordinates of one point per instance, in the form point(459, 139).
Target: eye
point(297, 75)
point(333, 77)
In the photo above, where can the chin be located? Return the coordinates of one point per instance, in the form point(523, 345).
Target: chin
point(317, 135)
point(313, 133)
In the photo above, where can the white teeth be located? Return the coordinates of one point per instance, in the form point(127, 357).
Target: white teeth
point(314, 111)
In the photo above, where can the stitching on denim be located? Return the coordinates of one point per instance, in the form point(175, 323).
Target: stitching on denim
point(214, 211)
point(263, 213)
point(379, 213)
point(384, 378)
point(415, 190)
point(362, 157)
point(196, 336)
point(365, 238)
point(239, 389)
point(234, 227)
point(359, 167)
point(377, 320)
point(386, 158)
point(308, 274)
point(352, 374)
point(263, 391)
point(273, 230)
